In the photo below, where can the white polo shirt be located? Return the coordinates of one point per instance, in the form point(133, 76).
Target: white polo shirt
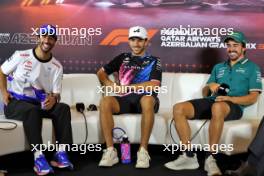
point(28, 73)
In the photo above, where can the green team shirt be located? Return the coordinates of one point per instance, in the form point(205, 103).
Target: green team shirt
point(243, 77)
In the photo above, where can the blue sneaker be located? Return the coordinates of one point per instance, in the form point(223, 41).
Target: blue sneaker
point(42, 167)
point(61, 160)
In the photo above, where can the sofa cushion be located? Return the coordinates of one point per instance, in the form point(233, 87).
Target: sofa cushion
point(80, 88)
point(79, 130)
point(188, 86)
point(15, 141)
point(166, 98)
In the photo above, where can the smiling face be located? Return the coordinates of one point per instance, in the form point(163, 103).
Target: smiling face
point(138, 46)
point(235, 50)
point(46, 43)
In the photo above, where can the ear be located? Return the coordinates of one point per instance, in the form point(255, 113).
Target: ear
point(244, 49)
point(146, 42)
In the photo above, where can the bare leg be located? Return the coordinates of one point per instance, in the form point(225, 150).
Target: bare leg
point(181, 113)
point(147, 105)
point(220, 110)
point(108, 106)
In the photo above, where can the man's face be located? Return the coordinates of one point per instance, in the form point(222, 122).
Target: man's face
point(46, 43)
point(235, 50)
point(138, 46)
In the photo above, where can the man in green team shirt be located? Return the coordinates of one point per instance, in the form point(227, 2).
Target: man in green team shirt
point(242, 78)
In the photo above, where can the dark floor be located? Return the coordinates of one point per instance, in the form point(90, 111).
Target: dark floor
point(20, 164)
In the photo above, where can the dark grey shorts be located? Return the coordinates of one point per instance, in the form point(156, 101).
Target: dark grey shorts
point(202, 109)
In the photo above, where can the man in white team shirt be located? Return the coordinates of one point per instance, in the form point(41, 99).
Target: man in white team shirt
point(34, 84)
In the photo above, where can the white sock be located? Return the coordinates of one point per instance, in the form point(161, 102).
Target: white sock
point(37, 154)
point(142, 149)
point(110, 148)
point(61, 148)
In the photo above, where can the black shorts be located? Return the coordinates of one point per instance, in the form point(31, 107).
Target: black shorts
point(131, 103)
point(202, 109)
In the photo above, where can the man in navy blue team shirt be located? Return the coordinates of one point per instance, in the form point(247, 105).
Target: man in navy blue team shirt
point(139, 76)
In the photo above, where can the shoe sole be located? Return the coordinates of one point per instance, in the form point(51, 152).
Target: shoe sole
point(41, 173)
point(212, 174)
point(56, 164)
point(190, 167)
point(141, 167)
point(115, 161)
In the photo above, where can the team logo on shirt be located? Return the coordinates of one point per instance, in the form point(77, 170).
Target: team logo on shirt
point(27, 74)
point(240, 70)
point(145, 63)
point(24, 55)
point(27, 65)
point(126, 60)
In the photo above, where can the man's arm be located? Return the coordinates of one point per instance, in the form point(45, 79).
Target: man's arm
point(3, 88)
point(249, 99)
point(210, 88)
point(103, 77)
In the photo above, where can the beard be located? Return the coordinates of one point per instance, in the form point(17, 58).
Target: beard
point(233, 55)
point(46, 47)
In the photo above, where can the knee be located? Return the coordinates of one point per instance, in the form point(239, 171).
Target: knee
point(178, 109)
point(64, 107)
point(220, 110)
point(106, 103)
point(147, 103)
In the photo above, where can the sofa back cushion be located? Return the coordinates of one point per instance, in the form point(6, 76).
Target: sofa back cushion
point(81, 88)
point(187, 86)
point(165, 97)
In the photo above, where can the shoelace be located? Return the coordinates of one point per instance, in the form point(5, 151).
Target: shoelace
point(106, 154)
point(143, 156)
point(180, 159)
point(212, 164)
point(41, 161)
point(62, 157)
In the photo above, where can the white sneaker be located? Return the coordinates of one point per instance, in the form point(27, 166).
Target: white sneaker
point(109, 158)
point(211, 167)
point(143, 159)
point(183, 162)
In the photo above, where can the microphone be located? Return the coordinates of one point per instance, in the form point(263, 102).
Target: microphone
point(80, 107)
point(223, 89)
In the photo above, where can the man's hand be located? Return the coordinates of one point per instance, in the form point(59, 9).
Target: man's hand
point(120, 89)
point(50, 102)
point(223, 98)
point(6, 97)
point(213, 87)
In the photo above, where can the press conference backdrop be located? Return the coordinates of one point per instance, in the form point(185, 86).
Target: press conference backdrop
point(186, 34)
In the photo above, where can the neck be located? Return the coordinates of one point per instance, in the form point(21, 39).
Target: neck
point(42, 55)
